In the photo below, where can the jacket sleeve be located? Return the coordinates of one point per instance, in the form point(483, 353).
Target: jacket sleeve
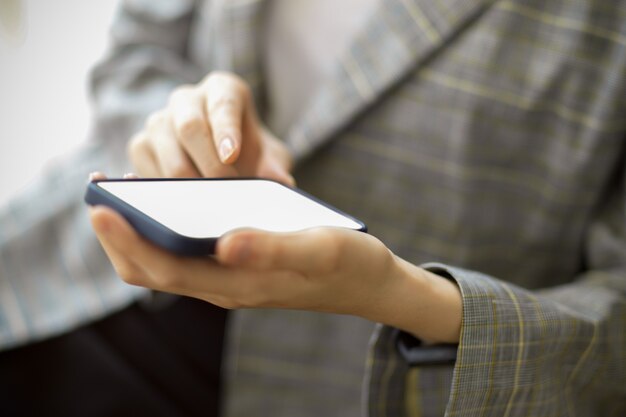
point(147, 59)
point(53, 274)
point(551, 352)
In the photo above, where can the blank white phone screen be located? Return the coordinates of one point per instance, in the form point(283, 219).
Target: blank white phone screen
point(201, 209)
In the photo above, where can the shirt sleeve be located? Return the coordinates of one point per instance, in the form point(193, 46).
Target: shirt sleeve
point(53, 274)
point(554, 351)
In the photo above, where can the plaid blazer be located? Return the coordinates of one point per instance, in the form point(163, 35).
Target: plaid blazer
point(487, 135)
point(483, 139)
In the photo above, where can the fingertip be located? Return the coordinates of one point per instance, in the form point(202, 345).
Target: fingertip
point(100, 219)
point(289, 180)
point(106, 220)
point(228, 150)
point(96, 175)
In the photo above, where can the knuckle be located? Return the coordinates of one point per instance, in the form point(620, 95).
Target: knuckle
point(225, 103)
point(137, 145)
point(190, 127)
point(227, 81)
point(334, 247)
point(168, 278)
point(182, 169)
point(273, 252)
point(155, 120)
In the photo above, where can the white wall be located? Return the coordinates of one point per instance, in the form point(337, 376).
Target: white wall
point(44, 110)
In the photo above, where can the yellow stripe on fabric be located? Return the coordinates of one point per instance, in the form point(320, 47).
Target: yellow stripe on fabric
point(595, 59)
point(520, 351)
point(466, 411)
point(455, 170)
point(455, 390)
point(520, 101)
point(412, 394)
point(494, 345)
point(357, 76)
point(583, 93)
point(536, 161)
point(583, 358)
point(562, 22)
point(543, 326)
point(441, 246)
point(345, 167)
point(444, 12)
point(418, 16)
point(386, 378)
point(612, 8)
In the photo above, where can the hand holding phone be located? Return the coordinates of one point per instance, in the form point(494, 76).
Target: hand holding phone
point(326, 269)
point(187, 216)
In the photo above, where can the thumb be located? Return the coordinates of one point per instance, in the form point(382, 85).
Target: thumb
point(303, 251)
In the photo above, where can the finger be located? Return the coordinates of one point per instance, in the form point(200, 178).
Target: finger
point(105, 222)
point(309, 250)
point(226, 99)
point(142, 156)
point(96, 176)
point(138, 262)
point(192, 130)
point(172, 160)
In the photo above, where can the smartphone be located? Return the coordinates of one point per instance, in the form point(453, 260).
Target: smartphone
point(187, 216)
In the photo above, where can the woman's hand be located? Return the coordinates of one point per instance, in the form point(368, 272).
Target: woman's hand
point(209, 130)
point(324, 269)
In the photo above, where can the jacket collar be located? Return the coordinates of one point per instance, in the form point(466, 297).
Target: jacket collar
point(398, 38)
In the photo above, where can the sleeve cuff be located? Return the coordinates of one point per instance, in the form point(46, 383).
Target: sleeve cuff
point(415, 353)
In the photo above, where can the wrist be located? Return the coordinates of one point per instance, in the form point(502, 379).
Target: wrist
point(422, 303)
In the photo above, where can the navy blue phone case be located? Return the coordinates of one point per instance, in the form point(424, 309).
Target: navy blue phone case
point(164, 236)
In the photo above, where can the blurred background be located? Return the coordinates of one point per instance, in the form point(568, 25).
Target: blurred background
point(47, 48)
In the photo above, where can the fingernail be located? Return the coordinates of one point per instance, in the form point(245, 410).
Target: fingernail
point(227, 147)
point(92, 176)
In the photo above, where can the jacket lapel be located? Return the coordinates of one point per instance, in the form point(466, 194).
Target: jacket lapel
point(398, 38)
